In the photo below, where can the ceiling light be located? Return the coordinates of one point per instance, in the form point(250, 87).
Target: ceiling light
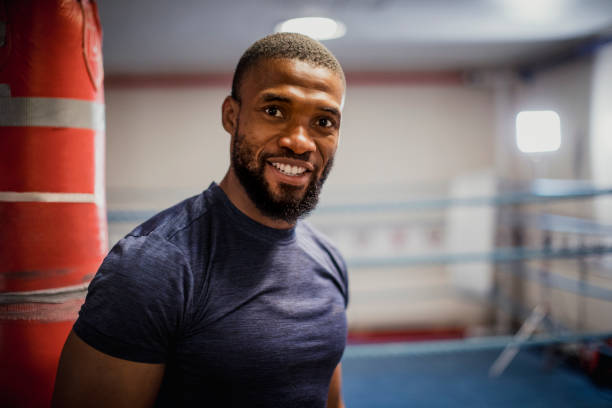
point(533, 11)
point(538, 131)
point(319, 28)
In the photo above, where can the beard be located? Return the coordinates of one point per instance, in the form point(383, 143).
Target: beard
point(289, 204)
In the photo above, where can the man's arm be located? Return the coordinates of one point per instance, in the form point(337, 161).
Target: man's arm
point(334, 396)
point(88, 377)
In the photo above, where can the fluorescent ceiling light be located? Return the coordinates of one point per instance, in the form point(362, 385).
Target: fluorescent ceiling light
point(533, 11)
point(319, 28)
point(538, 131)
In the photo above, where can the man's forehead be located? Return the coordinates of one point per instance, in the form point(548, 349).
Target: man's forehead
point(268, 72)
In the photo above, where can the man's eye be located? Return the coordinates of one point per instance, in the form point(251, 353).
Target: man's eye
point(273, 111)
point(324, 122)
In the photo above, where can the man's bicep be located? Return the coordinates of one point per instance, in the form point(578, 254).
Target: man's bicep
point(88, 377)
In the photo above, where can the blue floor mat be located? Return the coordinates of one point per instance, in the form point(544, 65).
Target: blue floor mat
point(460, 379)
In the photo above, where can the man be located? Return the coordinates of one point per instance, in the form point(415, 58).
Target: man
point(228, 299)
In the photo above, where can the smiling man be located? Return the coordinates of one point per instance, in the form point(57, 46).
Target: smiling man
point(229, 298)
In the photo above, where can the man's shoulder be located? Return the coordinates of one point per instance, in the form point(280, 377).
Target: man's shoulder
point(164, 245)
point(179, 218)
point(306, 231)
point(319, 246)
point(314, 240)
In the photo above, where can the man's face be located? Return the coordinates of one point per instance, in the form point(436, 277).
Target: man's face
point(286, 135)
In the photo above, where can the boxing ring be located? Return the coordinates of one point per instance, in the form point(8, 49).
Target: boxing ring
point(549, 253)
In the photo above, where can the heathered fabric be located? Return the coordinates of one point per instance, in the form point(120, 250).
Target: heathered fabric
point(242, 315)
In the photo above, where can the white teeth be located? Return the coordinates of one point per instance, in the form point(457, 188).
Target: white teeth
point(289, 170)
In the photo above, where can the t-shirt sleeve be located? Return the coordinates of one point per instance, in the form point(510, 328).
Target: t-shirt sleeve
point(137, 300)
point(343, 272)
point(338, 266)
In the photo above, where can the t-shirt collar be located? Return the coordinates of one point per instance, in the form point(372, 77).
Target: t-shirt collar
point(245, 222)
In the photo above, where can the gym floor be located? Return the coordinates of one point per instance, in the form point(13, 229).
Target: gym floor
point(535, 378)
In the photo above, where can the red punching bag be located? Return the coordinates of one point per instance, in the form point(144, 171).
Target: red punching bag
point(53, 232)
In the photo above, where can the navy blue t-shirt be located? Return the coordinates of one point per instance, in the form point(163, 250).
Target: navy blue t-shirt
point(240, 313)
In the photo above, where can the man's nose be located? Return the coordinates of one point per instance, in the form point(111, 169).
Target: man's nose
point(298, 140)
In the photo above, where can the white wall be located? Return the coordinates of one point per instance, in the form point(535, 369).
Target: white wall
point(413, 134)
point(160, 138)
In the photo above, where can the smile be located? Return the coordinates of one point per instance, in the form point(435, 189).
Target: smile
point(288, 169)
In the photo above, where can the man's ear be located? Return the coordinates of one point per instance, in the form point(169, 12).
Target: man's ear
point(229, 114)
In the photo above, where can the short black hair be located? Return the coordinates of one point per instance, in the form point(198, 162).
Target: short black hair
point(288, 46)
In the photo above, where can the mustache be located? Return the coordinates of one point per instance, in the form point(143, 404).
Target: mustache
point(288, 154)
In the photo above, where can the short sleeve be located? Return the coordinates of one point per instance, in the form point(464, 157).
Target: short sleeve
point(343, 272)
point(137, 301)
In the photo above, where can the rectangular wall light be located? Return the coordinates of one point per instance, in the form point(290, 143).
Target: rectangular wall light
point(538, 131)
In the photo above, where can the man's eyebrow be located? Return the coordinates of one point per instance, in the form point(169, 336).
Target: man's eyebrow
point(272, 97)
point(331, 110)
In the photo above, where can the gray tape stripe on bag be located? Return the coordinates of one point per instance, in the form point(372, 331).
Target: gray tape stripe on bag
point(52, 112)
point(54, 295)
point(40, 197)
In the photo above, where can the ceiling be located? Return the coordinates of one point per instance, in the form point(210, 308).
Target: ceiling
point(201, 36)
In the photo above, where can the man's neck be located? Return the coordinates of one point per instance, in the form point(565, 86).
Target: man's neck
point(236, 193)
